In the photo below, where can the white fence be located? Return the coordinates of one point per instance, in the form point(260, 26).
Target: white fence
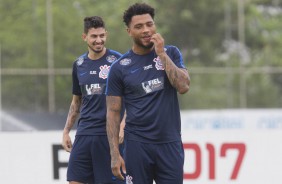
point(221, 146)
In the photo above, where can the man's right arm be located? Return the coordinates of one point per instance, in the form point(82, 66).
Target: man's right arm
point(121, 128)
point(72, 116)
point(113, 127)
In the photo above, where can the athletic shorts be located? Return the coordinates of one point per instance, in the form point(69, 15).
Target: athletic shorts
point(90, 161)
point(146, 162)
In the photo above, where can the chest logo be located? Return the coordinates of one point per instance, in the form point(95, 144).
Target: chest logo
point(93, 89)
point(104, 71)
point(93, 72)
point(153, 85)
point(159, 64)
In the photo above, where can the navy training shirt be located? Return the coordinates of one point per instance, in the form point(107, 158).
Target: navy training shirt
point(151, 102)
point(89, 81)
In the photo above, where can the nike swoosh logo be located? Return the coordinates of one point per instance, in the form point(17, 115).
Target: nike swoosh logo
point(135, 70)
point(81, 74)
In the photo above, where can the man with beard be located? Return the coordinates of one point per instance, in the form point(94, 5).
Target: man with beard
point(90, 160)
point(148, 78)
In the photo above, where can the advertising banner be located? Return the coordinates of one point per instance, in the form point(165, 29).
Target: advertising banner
point(221, 146)
point(233, 146)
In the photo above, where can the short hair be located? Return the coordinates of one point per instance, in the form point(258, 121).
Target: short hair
point(93, 22)
point(137, 9)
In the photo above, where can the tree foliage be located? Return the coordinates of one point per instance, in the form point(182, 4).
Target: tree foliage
point(205, 31)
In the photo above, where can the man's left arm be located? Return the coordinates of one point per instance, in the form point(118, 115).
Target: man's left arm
point(178, 77)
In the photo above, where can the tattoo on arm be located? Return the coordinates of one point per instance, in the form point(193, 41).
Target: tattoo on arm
point(73, 113)
point(179, 78)
point(113, 123)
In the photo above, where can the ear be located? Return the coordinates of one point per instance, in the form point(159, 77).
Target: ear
point(83, 36)
point(128, 31)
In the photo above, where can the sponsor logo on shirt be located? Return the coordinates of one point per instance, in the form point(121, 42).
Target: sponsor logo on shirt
point(144, 68)
point(148, 67)
point(83, 73)
point(153, 85)
point(92, 89)
point(104, 71)
point(93, 72)
point(134, 70)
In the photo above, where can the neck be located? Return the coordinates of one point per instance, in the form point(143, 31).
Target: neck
point(141, 50)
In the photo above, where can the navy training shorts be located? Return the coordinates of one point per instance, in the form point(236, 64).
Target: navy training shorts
point(90, 161)
point(146, 162)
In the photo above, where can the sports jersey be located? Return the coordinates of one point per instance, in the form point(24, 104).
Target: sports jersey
point(89, 81)
point(151, 102)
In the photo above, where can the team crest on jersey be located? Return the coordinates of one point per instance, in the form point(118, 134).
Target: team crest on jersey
point(111, 58)
point(159, 64)
point(79, 61)
point(125, 61)
point(129, 179)
point(104, 71)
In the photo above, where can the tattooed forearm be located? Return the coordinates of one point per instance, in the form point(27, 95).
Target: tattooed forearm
point(73, 113)
point(113, 124)
point(179, 78)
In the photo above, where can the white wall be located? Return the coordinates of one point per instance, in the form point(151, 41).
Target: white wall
point(29, 157)
point(259, 132)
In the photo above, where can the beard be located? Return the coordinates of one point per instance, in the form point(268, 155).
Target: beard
point(92, 47)
point(140, 44)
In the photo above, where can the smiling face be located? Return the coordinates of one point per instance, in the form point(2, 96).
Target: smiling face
point(95, 39)
point(141, 29)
